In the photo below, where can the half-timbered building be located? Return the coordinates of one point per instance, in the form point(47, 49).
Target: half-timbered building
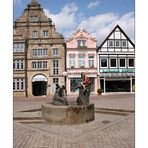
point(116, 62)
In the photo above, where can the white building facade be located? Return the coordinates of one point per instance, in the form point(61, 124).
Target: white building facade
point(116, 62)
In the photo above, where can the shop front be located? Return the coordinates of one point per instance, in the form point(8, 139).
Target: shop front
point(117, 82)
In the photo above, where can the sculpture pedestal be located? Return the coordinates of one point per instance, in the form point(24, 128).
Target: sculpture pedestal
point(70, 115)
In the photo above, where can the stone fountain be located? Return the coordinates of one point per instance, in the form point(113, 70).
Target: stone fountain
point(60, 111)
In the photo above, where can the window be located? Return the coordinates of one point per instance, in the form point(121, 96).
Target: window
point(74, 82)
point(55, 51)
point(34, 65)
point(45, 53)
point(110, 43)
point(45, 33)
point(124, 43)
point(34, 52)
point(18, 64)
point(122, 63)
point(117, 43)
point(131, 62)
point(19, 84)
point(113, 63)
point(104, 62)
point(34, 34)
point(44, 64)
point(81, 43)
point(72, 60)
point(55, 80)
point(39, 52)
point(39, 65)
point(81, 61)
point(33, 18)
point(91, 61)
point(18, 47)
point(55, 67)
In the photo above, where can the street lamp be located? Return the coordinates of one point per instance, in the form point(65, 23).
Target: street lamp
point(65, 74)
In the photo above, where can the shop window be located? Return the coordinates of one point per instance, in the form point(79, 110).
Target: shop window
point(113, 63)
point(122, 63)
point(131, 63)
point(104, 62)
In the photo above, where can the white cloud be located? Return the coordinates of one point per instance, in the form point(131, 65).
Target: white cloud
point(101, 25)
point(93, 4)
point(66, 19)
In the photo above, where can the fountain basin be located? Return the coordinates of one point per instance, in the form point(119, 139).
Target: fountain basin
point(70, 115)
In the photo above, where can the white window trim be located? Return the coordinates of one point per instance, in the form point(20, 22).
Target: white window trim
point(19, 62)
point(110, 62)
point(107, 62)
point(124, 41)
point(35, 34)
point(19, 80)
point(53, 52)
point(39, 65)
point(45, 35)
point(128, 63)
point(112, 42)
point(42, 52)
point(119, 43)
point(119, 62)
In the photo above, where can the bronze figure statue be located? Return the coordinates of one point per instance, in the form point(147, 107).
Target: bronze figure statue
point(59, 97)
point(84, 90)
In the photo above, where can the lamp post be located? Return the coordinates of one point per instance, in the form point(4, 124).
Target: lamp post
point(65, 74)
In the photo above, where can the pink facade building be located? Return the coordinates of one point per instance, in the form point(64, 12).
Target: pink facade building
point(81, 57)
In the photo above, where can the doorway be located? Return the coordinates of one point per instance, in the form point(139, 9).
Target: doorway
point(39, 88)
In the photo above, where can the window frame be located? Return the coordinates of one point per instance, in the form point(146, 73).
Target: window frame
point(45, 33)
point(55, 50)
point(124, 41)
point(109, 43)
point(55, 67)
point(116, 42)
point(91, 63)
point(19, 84)
point(35, 34)
point(129, 65)
point(119, 62)
point(81, 61)
point(101, 64)
point(110, 62)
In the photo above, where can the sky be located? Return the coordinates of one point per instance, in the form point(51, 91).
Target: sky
point(98, 17)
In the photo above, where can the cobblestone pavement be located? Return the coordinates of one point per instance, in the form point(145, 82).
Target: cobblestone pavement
point(106, 131)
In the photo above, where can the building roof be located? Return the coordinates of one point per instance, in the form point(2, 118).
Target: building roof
point(117, 26)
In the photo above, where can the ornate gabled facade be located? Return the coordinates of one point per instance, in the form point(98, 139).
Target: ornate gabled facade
point(81, 57)
point(43, 55)
point(116, 62)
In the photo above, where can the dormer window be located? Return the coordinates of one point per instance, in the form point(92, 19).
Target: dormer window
point(81, 43)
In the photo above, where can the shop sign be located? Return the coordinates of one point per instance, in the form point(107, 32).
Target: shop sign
point(118, 70)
